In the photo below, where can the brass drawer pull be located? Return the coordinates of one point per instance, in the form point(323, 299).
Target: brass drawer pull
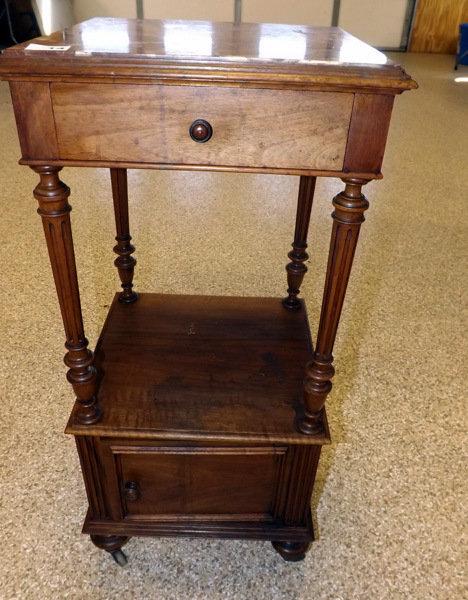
point(200, 131)
point(132, 490)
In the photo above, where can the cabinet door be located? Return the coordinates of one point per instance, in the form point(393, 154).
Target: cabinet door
point(159, 487)
point(219, 483)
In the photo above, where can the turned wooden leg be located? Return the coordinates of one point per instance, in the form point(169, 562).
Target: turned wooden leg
point(52, 195)
point(296, 269)
point(347, 219)
point(292, 551)
point(112, 544)
point(125, 262)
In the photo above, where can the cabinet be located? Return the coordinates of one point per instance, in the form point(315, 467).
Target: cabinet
point(202, 415)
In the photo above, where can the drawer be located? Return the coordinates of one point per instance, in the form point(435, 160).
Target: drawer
point(256, 128)
point(219, 483)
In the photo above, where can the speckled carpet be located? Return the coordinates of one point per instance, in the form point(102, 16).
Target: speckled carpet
point(390, 501)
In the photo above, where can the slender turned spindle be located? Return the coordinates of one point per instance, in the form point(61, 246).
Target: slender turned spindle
point(52, 195)
point(347, 219)
point(124, 262)
point(296, 269)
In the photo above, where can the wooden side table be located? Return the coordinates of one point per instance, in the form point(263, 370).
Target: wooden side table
point(198, 415)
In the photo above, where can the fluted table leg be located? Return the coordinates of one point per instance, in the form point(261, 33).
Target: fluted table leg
point(347, 219)
point(124, 262)
point(52, 195)
point(296, 269)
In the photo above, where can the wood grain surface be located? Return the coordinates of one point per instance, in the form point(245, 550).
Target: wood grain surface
point(202, 367)
point(368, 133)
point(261, 55)
point(212, 489)
point(436, 23)
point(254, 128)
point(193, 416)
point(230, 483)
point(34, 119)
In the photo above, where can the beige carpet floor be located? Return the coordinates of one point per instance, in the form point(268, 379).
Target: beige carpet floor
point(390, 502)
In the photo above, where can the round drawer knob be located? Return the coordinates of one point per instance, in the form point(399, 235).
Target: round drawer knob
point(132, 491)
point(200, 131)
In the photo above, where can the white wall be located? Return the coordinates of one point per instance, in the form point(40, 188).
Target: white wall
point(214, 10)
point(53, 15)
point(308, 12)
point(315, 12)
point(377, 22)
point(86, 9)
point(211, 10)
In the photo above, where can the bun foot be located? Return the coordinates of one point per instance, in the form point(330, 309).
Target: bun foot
point(112, 544)
point(291, 551)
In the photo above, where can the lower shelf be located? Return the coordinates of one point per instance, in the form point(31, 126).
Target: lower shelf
point(202, 368)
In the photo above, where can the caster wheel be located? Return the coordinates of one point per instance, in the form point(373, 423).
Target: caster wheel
point(119, 558)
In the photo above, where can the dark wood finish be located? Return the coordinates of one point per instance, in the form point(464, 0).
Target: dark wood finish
point(201, 437)
point(243, 489)
point(202, 367)
point(109, 543)
point(125, 262)
point(34, 119)
point(132, 491)
point(247, 54)
point(368, 133)
point(250, 530)
point(52, 195)
point(211, 490)
point(292, 551)
point(347, 219)
point(90, 469)
point(296, 269)
point(201, 131)
point(193, 417)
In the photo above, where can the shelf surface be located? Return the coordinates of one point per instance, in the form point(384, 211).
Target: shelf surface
point(202, 368)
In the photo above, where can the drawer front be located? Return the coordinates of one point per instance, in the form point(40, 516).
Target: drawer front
point(255, 128)
point(217, 483)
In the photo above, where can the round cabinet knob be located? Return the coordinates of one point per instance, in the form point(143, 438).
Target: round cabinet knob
point(200, 131)
point(131, 490)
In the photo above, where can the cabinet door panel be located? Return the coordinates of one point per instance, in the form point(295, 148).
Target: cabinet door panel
point(217, 483)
